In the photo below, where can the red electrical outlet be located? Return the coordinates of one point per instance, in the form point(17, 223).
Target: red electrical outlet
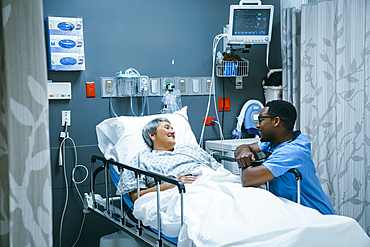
point(90, 89)
point(208, 122)
point(221, 104)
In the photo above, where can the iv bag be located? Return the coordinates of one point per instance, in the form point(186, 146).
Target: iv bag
point(171, 101)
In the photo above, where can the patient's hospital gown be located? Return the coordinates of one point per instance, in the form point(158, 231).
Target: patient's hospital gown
point(185, 159)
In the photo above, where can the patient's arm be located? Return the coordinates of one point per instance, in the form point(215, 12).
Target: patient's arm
point(133, 193)
point(186, 179)
point(254, 176)
point(244, 154)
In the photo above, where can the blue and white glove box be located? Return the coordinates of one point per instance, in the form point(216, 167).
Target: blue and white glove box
point(64, 26)
point(67, 61)
point(66, 44)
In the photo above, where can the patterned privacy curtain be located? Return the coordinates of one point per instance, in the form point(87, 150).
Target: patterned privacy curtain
point(25, 179)
point(291, 64)
point(330, 44)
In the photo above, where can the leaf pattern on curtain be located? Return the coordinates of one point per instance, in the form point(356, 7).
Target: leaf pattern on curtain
point(35, 165)
point(291, 38)
point(25, 179)
point(334, 103)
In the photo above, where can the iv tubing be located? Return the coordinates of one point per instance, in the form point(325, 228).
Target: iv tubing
point(215, 43)
point(145, 96)
point(267, 55)
point(110, 99)
point(62, 146)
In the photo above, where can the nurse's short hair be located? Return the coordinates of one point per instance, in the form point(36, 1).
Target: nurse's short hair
point(151, 127)
point(284, 110)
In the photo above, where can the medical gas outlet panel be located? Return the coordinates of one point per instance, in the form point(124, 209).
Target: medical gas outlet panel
point(155, 86)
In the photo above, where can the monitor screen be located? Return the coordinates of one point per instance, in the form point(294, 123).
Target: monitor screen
point(250, 24)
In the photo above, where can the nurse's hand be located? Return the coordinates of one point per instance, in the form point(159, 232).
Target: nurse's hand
point(244, 156)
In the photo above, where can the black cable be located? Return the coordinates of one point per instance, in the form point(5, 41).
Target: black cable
point(223, 105)
point(232, 82)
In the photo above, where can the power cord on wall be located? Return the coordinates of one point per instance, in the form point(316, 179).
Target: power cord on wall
point(216, 40)
point(222, 136)
point(62, 162)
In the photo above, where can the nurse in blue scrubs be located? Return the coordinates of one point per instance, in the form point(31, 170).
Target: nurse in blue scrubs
point(289, 149)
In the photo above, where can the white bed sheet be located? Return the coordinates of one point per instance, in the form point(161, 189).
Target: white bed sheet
point(220, 212)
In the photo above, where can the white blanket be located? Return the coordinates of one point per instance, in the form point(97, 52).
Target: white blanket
point(220, 212)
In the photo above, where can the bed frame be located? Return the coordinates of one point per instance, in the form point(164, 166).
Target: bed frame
point(117, 212)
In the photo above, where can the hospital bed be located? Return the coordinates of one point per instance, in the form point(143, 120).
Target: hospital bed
point(121, 216)
point(119, 140)
point(294, 225)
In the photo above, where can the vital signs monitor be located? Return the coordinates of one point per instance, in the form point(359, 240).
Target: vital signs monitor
point(250, 24)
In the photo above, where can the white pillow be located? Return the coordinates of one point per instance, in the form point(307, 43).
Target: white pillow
point(120, 138)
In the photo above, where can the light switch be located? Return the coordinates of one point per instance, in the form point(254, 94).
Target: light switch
point(182, 85)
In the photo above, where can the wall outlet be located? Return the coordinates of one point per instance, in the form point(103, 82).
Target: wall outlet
point(182, 84)
point(223, 102)
point(66, 118)
point(208, 121)
point(107, 86)
point(206, 85)
point(239, 82)
point(90, 89)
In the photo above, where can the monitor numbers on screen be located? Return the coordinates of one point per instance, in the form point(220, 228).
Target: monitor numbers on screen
point(251, 22)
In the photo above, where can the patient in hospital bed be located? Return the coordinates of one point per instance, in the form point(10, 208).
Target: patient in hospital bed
point(218, 210)
point(184, 161)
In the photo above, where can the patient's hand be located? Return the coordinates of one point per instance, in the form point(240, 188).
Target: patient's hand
point(244, 156)
point(187, 179)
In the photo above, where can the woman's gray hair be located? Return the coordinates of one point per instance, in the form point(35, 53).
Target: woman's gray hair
point(152, 127)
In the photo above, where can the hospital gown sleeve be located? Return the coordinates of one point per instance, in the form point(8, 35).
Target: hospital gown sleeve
point(206, 157)
point(127, 181)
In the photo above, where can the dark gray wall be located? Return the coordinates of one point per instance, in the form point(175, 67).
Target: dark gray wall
point(146, 35)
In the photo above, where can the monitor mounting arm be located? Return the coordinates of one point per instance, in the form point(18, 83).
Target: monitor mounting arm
point(244, 49)
point(250, 1)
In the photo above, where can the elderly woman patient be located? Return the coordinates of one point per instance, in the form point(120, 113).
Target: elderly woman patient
point(183, 162)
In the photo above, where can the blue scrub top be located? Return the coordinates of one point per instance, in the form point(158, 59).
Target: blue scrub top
point(295, 154)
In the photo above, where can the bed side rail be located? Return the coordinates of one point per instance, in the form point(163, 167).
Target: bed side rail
point(298, 177)
point(260, 158)
point(156, 176)
point(138, 172)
